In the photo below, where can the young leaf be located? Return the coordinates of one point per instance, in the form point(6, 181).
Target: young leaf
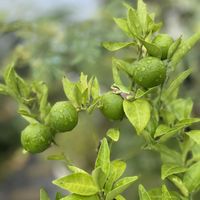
point(103, 157)
point(134, 23)
point(140, 93)
point(78, 183)
point(121, 186)
point(165, 193)
point(44, 195)
point(123, 25)
point(161, 130)
point(56, 157)
point(117, 168)
point(99, 177)
point(113, 134)
point(59, 196)
point(114, 46)
point(184, 49)
point(170, 169)
point(138, 113)
point(194, 135)
point(179, 184)
point(152, 49)
point(142, 15)
point(120, 197)
point(95, 89)
point(143, 194)
point(191, 178)
point(79, 197)
point(3, 89)
point(75, 169)
point(175, 84)
point(173, 48)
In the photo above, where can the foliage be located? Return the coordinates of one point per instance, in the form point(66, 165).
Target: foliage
point(156, 112)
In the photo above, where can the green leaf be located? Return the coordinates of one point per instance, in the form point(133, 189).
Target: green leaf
point(123, 25)
point(173, 48)
point(161, 130)
point(121, 186)
point(138, 113)
point(165, 193)
point(170, 169)
point(152, 49)
point(174, 86)
point(78, 183)
point(95, 90)
point(179, 184)
point(184, 48)
point(79, 197)
point(140, 93)
point(44, 195)
point(117, 168)
point(59, 196)
point(56, 157)
point(114, 46)
point(120, 197)
point(3, 89)
point(142, 15)
point(194, 135)
point(124, 66)
point(143, 194)
point(134, 23)
point(113, 134)
point(99, 177)
point(191, 178)
point(75, 169)
point(103, 157)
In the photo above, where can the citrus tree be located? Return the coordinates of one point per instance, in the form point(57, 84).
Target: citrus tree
point(148, 97)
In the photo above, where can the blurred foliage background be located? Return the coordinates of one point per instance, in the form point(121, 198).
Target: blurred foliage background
point(54, 38)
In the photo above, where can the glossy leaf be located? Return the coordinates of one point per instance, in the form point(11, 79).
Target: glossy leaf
point(170, 169)
point(103, 157)
point(138, 113)
point(78, 183)
point(113, 134)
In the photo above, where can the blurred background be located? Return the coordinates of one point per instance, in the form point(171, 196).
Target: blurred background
point(53, 38)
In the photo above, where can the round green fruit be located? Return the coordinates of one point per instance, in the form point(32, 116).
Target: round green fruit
point(149, 72)
point(63, 116)
point(36, 138)
point(163, 41)
point(112, 106)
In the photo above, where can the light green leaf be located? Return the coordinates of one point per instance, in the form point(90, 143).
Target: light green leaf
point(173, 48)
point(191, 178)
point(143, 194)
point(79, 197)
point(114, 46)
point(140, 93)
point(187, 122)
point(78, 183)
point(121, 186)
point(56, 157)
point(142, 15)
point(117, 168)
point(194, 135)
point(75, 169)
point(165, 193)
point(44, 195)
point(134, 23)
point(95, 90)
point(138, 113)
point(58, 196)
point(170, 169)
point(120, 197)
point(103, 157)
point(184, 48)
point(99, 177)
point(161, 130)
point(175, 84)
point(179, 184)
point(113, 134)
point(123, 25)
point(152, 49)
point(124, 66)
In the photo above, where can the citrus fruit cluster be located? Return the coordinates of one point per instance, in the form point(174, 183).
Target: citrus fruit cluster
point(37, 137)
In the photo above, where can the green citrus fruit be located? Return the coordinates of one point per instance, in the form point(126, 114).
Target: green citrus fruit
point(112, 106)
point(163, 41)
point(149, 72)
point(36, 138)
point(63, 116)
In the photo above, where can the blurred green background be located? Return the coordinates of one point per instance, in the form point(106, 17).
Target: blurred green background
point(54, 38)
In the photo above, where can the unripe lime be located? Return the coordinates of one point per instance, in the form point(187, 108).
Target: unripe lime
point(163, 41)
point(63, 116)
point(112, 106)
point(149, 72)
point(36, 138)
